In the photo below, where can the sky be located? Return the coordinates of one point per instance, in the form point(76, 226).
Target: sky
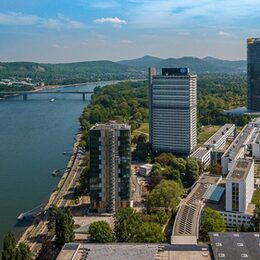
point(54, 31)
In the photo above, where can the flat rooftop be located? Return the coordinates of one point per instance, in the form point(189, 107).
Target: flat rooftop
point(110, 126)
point(187, 218)
point(200, 152)
point(235, 245)
point(240, 169)
point(128, 251)
point(115, 251)
point(221, 132)
point(240, 140)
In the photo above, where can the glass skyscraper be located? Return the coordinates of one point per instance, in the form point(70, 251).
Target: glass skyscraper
point(110, 166)
point(253, 74)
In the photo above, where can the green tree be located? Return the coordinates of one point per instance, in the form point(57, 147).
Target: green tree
point(215, 169)
point(165, 159)
point(211, 221)
point(150, 233)
point(127, 223)
point(100, 232)
point(142, 148)
point(9, 247)
point(166, 195)
point(23, 252)
point(160, 216)
point(61, 224)
point(256, 218)
point(191, 173)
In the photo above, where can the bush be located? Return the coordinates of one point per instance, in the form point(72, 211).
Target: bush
point(100, 232)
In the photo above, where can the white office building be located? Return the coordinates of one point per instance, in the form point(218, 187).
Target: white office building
point(240, 186)
point(219, 139)
point(238, 148)
point(173, 110)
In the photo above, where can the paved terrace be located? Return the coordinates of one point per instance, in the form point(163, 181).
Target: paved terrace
point(186, 226)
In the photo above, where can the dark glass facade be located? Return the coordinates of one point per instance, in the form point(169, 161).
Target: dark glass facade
point(253, 74)
point(110, 167)
point(235, 196)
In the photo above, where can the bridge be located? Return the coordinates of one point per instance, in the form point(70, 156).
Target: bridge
point(26, 93)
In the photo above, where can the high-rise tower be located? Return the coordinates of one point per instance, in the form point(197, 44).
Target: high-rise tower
point(110, 166)
point(173, 110)
point(253, 74)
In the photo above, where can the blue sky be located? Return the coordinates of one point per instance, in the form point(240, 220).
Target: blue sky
point(78, 30)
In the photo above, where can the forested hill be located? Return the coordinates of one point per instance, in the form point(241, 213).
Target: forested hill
point(68, 73)
point(199, 66)
point(78, 72)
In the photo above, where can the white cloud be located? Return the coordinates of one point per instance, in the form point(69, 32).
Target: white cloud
point(62, 22)
point(57, 23)
point(189, 14)
point(13, 18)
point(112, 20)
point(224, 33)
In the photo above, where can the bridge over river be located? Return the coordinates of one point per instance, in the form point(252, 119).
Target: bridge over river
point(26, 93)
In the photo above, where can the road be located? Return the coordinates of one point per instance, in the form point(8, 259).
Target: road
point(37, 234)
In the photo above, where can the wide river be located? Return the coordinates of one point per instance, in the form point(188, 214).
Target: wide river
point(33, 136)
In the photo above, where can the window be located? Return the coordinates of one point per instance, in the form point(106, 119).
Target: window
point(235, 196)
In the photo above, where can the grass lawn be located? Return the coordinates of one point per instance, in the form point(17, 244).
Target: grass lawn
point(256, 197)
point(206, 132)
point(144, 129)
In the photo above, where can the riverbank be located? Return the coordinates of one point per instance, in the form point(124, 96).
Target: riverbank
point(39, 225)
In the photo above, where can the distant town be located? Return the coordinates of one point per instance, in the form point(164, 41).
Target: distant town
point(159, 170)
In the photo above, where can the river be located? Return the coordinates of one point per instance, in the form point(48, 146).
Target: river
point(33, 136)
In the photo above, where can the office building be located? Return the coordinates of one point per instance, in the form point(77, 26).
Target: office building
point(240, 186)
point(214, 145)
point(173, 110)
point(110, 167)
point(253, 74)
point(235, 245)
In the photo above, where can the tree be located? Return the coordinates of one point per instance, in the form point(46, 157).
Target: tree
point(9, 247)
point(142, 147)
point(61, 224)
point(100, 232)
point(150, 233)
point(191, 173)
point(256, 218)
point(166, 195)
point(11, 252)
point(165, 159)
point(23, 252)
point(127, 223)
point(160, 216)
point(211, 221)
point(215, 169)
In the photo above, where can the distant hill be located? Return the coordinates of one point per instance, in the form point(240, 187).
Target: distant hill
point(141, 63)
point(78, 72)
point(200, 66)
point(68, 73)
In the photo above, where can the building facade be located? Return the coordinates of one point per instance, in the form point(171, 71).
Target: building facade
point(240, 186)
point(173, 110)
point(110, 167)
point(253, 73)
